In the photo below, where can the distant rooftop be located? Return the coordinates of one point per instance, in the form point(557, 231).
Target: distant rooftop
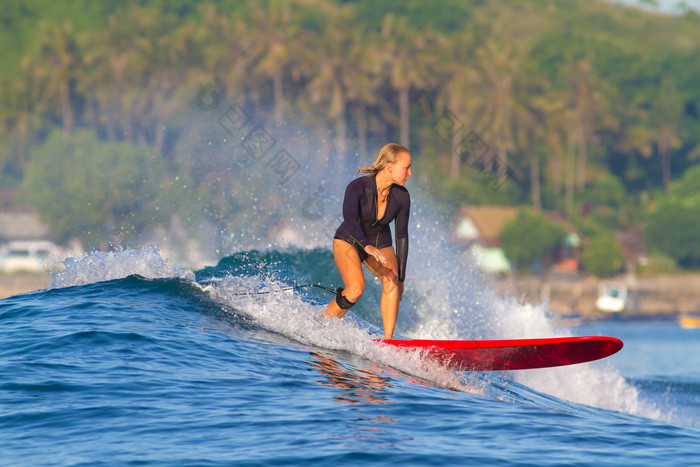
point(19, 222)
point(6, 196)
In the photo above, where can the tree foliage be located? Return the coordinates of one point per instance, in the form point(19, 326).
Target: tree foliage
point(544, 103)
point(673, 226)
point(529, 237)
point(95, 191)
point(602, 256)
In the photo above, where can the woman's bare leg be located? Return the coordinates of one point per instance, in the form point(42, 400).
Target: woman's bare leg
point(350, 267)
point(391, 295)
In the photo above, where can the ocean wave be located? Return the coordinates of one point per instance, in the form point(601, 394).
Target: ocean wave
point(257, 287)
point(100, 266)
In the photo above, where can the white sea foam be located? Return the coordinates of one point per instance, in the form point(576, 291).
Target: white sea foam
point(595, 384)
point(285, 312)
point(103, 266)
point(446, 298)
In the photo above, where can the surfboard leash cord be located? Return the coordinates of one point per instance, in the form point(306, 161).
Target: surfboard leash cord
point(296, 287)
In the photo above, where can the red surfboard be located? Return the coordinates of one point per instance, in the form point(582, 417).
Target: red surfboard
point(519, 354)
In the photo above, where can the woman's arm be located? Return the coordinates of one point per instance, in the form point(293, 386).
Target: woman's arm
point(402, 238)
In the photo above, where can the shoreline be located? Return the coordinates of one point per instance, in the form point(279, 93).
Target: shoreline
point(21, 283)
point(658, 295)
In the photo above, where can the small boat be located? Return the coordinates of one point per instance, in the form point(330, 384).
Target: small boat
point(612, 298)
point(689, 320)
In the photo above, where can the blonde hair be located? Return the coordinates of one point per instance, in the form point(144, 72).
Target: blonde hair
point(387, 155)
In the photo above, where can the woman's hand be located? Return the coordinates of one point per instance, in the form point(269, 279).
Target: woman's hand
point(376, 254)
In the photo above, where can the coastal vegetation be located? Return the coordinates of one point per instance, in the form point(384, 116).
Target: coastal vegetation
point(585, 107)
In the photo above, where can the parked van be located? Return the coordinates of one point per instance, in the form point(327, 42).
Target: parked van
point(30, 256)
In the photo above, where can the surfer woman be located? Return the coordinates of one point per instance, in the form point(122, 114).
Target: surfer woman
point(370, 204)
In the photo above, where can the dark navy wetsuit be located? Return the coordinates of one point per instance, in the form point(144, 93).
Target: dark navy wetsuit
point(361, 227)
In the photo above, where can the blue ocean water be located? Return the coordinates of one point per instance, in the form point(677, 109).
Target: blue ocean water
point(128, 359)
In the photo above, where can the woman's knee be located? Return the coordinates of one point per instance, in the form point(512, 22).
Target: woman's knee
point(353, 292)
point(390, 281)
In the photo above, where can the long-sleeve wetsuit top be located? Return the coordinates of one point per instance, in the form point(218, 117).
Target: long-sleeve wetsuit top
point(361, 227)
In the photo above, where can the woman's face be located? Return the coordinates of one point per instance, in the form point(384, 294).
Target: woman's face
point(400, 170)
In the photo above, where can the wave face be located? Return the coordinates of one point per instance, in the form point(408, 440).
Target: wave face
point(127, 358)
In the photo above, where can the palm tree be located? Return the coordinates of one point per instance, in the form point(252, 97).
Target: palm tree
point(140, 63)
point(363, 84)
point(636, 134)
point(112, 69)
point(547, 137)
point(342, 74)
point(227, 51)
point(590, 106)
point(177, 59)
point(507, 117)
point(19, 118)
point(276, 33)
point(409, 58)
point(329, 82)
point(457, 100)
point(52, 62)
point(667, 111)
